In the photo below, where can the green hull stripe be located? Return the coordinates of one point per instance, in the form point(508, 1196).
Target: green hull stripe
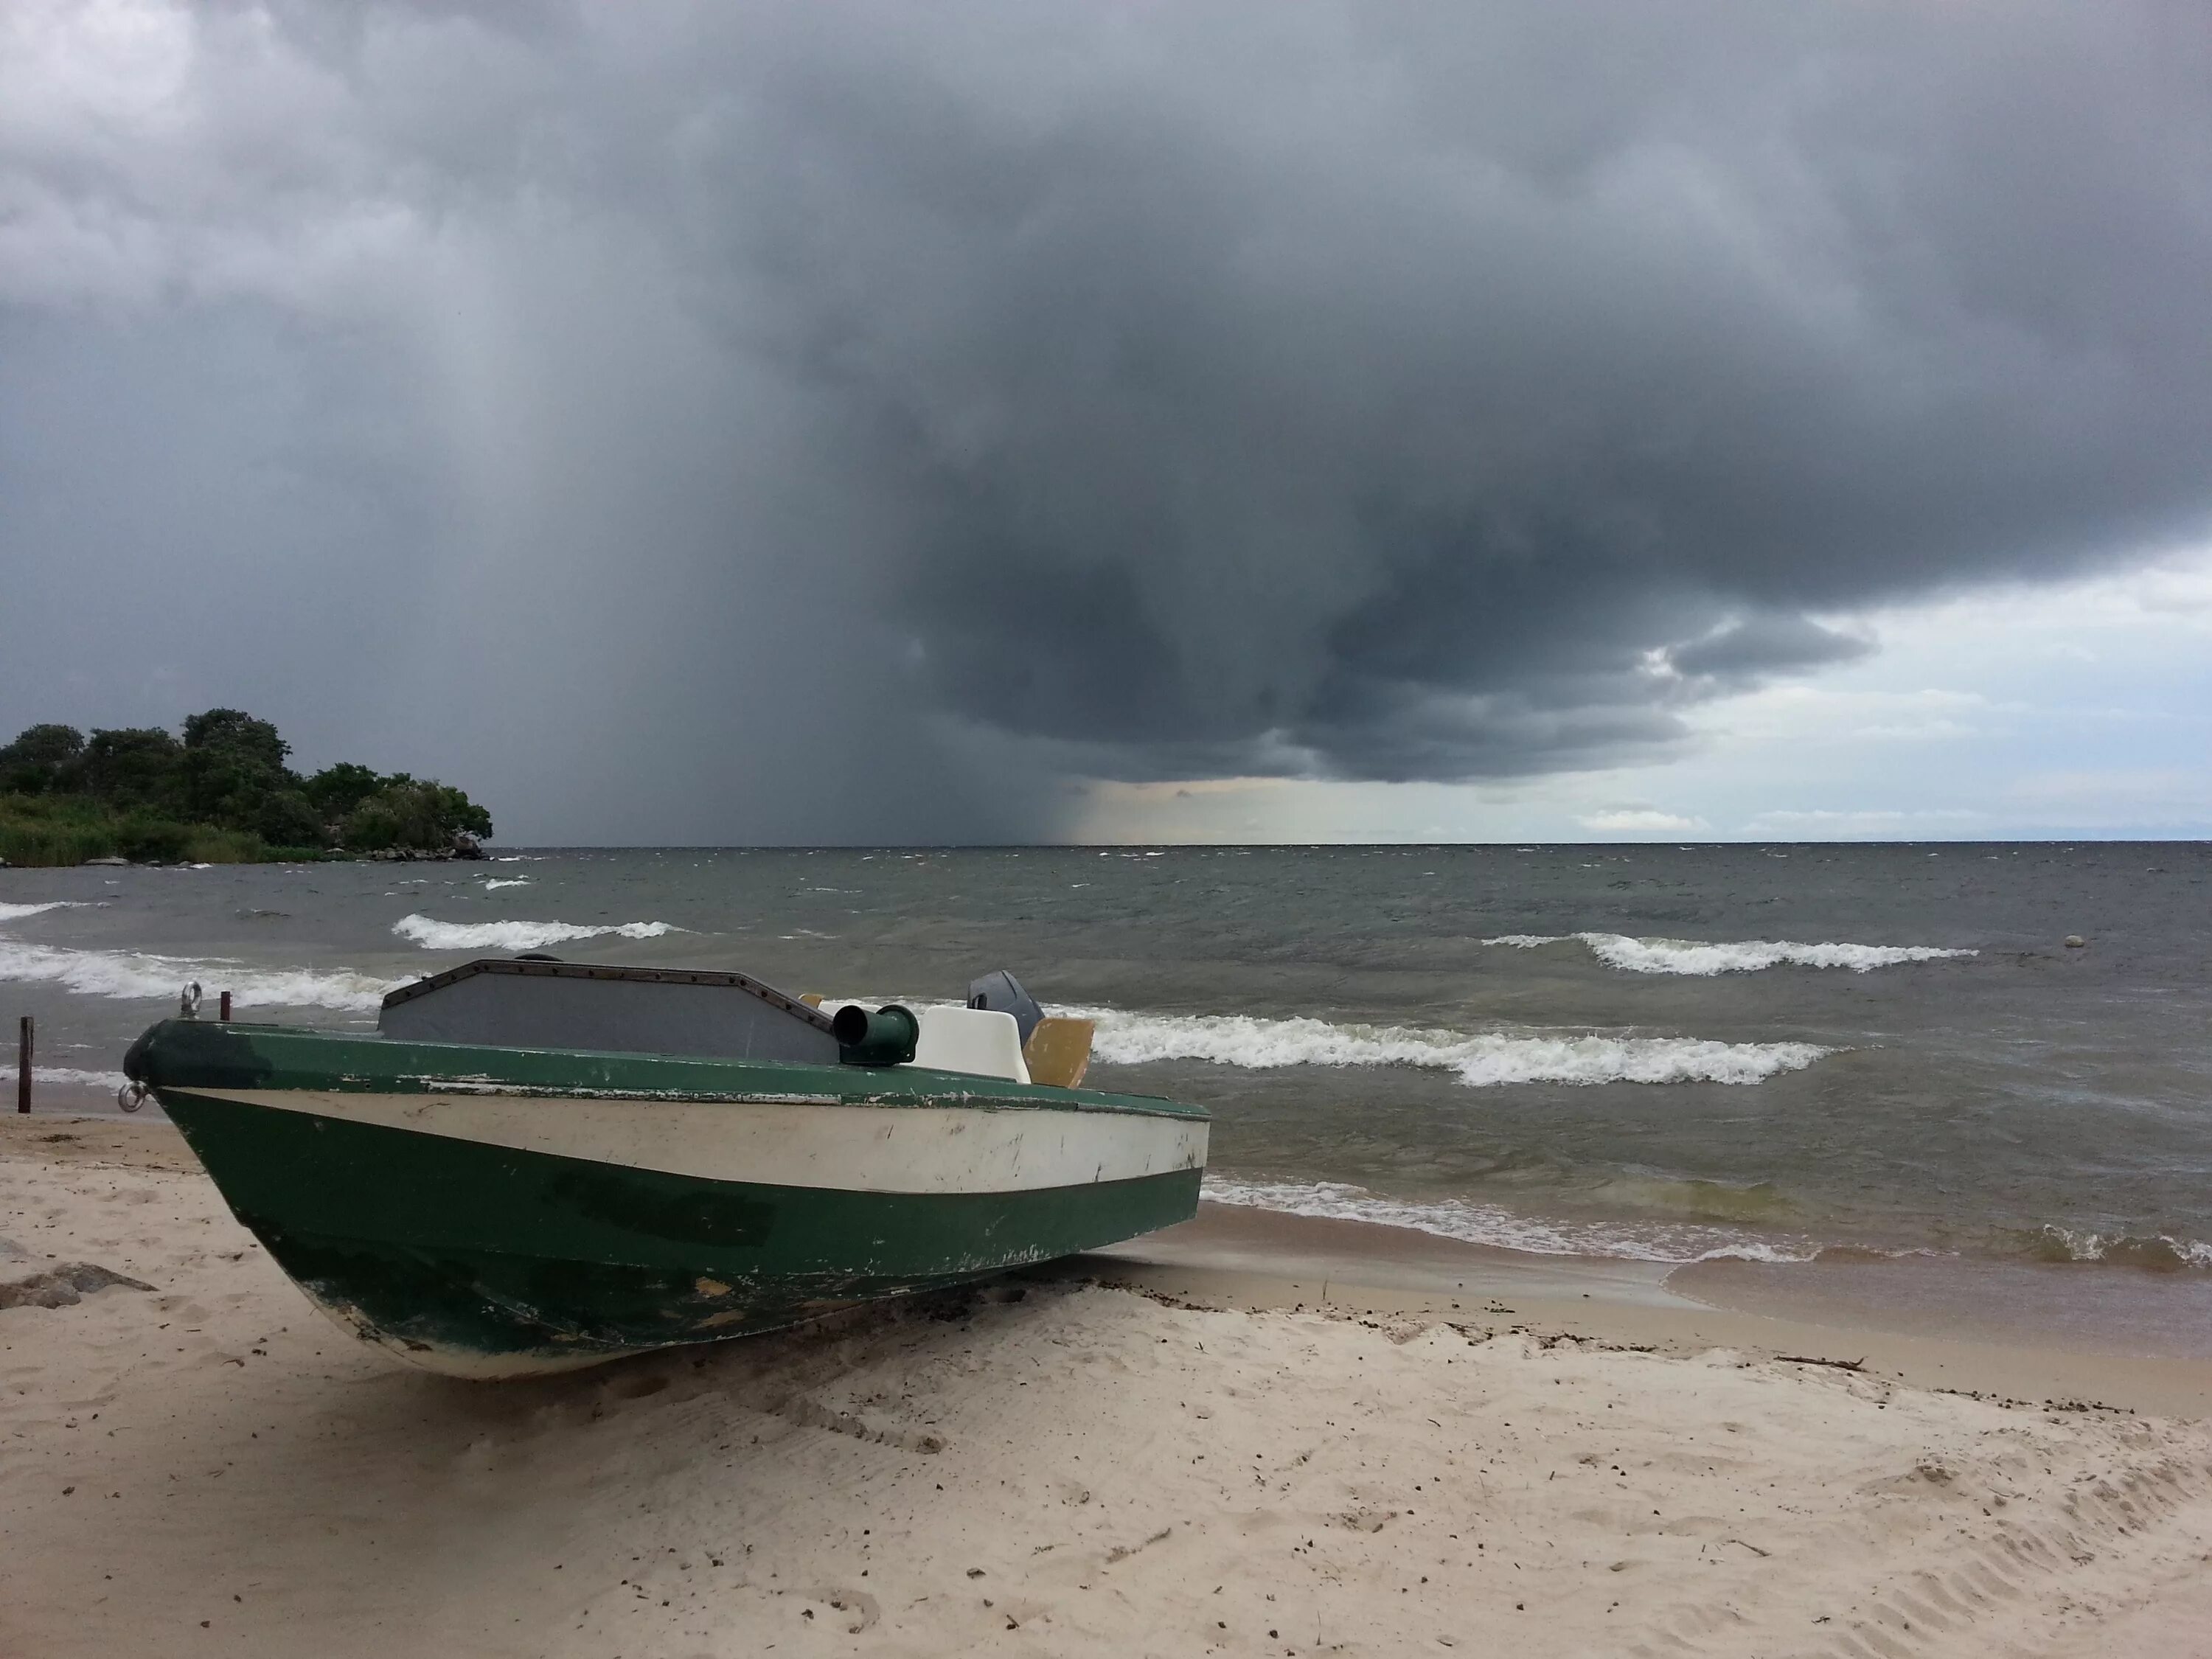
point(440, 1244)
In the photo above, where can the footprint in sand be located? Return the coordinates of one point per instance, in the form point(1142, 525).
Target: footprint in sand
point(863, 1606)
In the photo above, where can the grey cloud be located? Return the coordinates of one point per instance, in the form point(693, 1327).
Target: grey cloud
point(816, 422)
point(1748, 646)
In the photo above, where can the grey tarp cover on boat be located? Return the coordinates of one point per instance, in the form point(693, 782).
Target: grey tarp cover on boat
point(575, 1005)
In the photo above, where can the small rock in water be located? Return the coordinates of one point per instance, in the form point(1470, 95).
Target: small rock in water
point(2074, 941)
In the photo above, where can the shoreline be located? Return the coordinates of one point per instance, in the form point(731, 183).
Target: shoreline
point(268, 855)
point(2032, 1333)
point(1232, 1256)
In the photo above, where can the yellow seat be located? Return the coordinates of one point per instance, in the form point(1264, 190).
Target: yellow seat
point(1059, 1051)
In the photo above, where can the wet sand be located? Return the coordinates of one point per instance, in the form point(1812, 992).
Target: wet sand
point(1915, 1320)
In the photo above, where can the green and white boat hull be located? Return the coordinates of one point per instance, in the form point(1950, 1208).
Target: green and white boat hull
point(491, 1213)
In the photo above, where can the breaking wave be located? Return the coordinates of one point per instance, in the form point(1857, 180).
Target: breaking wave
point(495, 883)
point(1128, 1038)
point(68, 1076)
point(2161, 1252)
point(433, 935)
point(17, 912)
point(1136, 1039)
point(141, 975)
point(1471, 1223)
point(1696, 956)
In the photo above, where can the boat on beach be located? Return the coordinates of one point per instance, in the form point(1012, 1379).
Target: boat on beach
point(535, 1165)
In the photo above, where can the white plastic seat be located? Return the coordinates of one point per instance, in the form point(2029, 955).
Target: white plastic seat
point(980, 1042)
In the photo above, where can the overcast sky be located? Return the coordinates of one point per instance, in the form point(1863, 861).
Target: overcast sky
point(996, 420)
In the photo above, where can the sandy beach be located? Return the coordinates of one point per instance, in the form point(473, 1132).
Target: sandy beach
point(1255, 1434)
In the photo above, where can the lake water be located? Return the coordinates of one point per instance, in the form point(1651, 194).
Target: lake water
point(1652, 1052)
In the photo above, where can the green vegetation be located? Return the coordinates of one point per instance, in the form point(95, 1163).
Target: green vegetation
point(221, 794)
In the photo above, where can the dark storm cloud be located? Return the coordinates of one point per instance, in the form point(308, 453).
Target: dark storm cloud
point(1761, 645)
point(827, 420)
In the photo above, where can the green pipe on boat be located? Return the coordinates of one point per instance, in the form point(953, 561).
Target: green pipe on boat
point(885, 1037)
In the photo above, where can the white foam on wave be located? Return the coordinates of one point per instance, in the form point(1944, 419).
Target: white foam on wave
point(495, 883)
point(17, 912)
point(2141, 1250)
point(1481, 1060)
point(1472, 1222)
point(68, 1076)
point(435, 935)
point(1127, 1038)
point(1699, 957)
point(143, 975)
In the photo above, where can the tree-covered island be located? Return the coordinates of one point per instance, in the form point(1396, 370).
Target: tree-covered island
point(221, 794)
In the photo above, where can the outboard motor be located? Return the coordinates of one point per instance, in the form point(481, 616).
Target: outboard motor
point(1002, 993)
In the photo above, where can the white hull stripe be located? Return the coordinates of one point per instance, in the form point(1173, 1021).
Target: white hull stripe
point(940, 1150)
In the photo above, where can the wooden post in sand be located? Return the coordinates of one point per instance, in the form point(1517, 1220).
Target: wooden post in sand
point(224, 1016)
point(23, 1068)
